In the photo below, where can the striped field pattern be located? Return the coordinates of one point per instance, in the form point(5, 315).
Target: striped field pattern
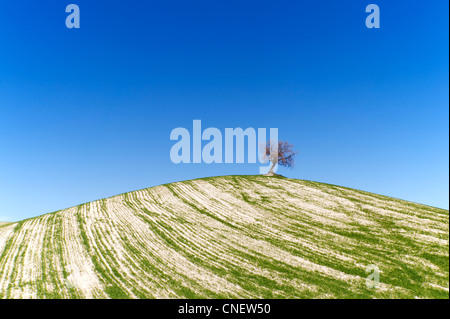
point(230, 237)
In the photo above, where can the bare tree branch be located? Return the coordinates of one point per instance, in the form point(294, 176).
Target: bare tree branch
point(281, 153)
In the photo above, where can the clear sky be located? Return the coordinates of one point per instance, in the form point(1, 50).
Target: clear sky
point(87, 113)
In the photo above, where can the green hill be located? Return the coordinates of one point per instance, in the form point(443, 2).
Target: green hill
point(230, 237)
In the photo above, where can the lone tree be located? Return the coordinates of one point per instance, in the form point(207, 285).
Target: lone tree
point(281, 153)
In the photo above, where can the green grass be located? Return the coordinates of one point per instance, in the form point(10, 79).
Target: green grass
point(247, 236)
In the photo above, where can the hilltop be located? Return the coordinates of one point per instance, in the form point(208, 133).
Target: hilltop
point(230, 237)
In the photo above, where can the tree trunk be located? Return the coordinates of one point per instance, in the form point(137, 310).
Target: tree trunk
point(271, 168)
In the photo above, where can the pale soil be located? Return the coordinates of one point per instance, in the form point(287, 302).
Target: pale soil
point(232, 237)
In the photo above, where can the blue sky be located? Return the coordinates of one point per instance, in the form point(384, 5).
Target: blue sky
point(87, 113)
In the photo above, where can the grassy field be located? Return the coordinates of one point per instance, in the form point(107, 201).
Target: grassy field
point(230, 237)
